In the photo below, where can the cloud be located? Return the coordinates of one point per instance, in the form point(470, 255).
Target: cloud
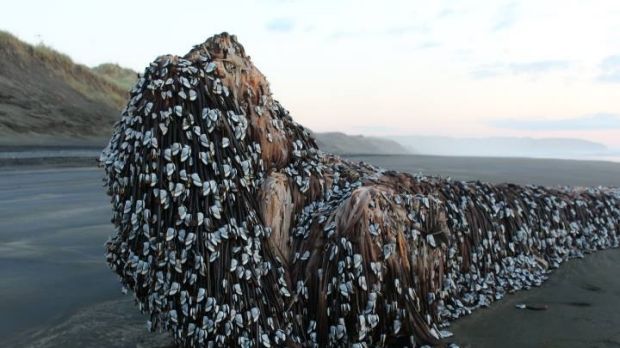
point(446, 12)
point(348, 35)
point(402, 30)
point(610, 69)
point(507, 17)
point(395, 31)
point(599, 121)
point(428, 45)
point(526, 68)
point(281, 24)
point(538, 67)
point(376, 129)
point(484, 72)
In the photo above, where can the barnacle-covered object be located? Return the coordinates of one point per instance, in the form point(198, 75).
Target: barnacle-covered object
point(233, 229)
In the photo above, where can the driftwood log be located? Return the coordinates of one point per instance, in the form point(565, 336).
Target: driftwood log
point(232, 228)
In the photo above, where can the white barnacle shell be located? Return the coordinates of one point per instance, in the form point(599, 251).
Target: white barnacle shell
point(164, 128)
point(205, 113)
point(196, 180)
point(431, 240)
point(201, 295)
point(397, 325)
point(189, 240)
point(176, 148)
point(215, 211)
point(170, 168)
point(204, 157)
point(183, 174)
point(182, 212)
point(227, 170)
point(362, 283)
point(170, 234)
point(173, 316)
point(388, 250)
point(174, 288)
point(185, 153)
point(206, 188)
point(255, 313)
point(264, 339)
point(213, 114)
point(185, 82)
point(237, 289)
point(178, 190)
point(233, 264)
point(204, 140)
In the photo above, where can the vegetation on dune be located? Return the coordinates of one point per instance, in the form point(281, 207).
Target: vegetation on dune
point(46, 98)
point(78, 76)
point(123, 77)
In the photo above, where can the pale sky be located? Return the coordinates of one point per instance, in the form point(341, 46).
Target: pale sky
point(460, 68)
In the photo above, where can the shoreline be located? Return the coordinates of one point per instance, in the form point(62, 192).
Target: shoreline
point(523, 171)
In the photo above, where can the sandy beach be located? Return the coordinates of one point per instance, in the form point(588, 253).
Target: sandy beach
point(583, 300)
point(58, 292)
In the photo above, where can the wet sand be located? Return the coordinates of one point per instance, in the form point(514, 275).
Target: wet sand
point(536, 171)
point(53, 224)
point(57, 291)
point(583, 299)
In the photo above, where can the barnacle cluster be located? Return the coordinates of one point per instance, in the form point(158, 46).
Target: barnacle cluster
point(233, 229)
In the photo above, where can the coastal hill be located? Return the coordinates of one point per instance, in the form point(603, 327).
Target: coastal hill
point(47, 99)
point(343, 144)
point(502, 146)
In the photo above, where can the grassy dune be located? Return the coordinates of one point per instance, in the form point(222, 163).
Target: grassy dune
point(44, 93)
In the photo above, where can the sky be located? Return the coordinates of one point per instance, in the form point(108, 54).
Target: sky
point(456, 68)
